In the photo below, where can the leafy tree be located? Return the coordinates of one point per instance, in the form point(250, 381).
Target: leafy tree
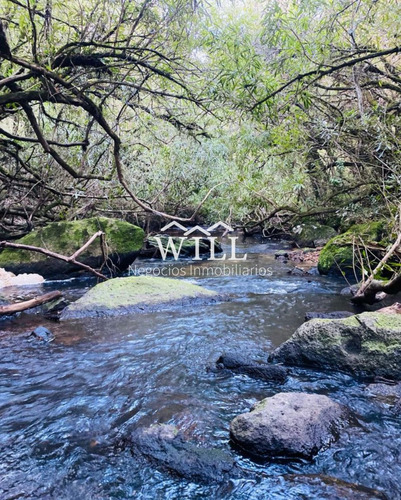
point(257, 113)
point(80, 83)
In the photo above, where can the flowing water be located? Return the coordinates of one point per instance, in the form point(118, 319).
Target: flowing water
point(67, 407)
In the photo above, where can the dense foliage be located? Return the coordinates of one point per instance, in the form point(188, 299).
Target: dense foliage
point(252, 112)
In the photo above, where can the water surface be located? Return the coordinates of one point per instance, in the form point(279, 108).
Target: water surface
point(67, 407)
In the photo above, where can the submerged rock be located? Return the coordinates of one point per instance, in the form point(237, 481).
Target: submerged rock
point(385, 391)
point(167, 447)
point(366, 345)
point(233, 360)
point(136, 294)
point(124, 240)
point(397, 407)
point(42, 334)
point(335, 489)
point(289, 425)
point(297, 271)
point(337, 255)
point(241, 364)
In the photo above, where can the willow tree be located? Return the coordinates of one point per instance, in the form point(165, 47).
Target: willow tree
point(337, 87)
point(321, 80)
point(78, 80)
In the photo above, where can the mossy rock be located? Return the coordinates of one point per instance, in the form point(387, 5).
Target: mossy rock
point(313, 235)
point(124, 241)
point(337, 255)
point(136, 294)
point(366, 345)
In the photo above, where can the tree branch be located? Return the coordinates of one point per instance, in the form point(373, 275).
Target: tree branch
point(319, 73)
point(49, 253)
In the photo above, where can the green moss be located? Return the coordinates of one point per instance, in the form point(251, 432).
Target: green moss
point(67, 237)
point(132, 294)
point(139, 289)
point(372, 231)
point(385, 342)
point(350, 321)
point(367, 344)
point(337, 254)
point(380, 347)
point(386, 321)
point(389, 325)
point(381, 320)
point(332, 256)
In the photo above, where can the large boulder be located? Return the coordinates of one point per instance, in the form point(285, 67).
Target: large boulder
point(337, 256)
point(289, 425)
point(312, 235)
point(169, 449)
point(366, 345)
point(136, 294)
point(124, 241)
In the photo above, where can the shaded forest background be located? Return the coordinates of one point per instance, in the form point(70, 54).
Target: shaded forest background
point(257, 113)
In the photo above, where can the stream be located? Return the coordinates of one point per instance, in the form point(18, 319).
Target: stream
point(67, 407)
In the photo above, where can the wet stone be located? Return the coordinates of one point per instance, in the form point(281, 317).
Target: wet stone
point(168, 448)
point(238, 363)
point(41, 334)
point(289, 425)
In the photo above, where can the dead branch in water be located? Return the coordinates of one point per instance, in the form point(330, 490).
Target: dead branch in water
point(369, 295)
point(70, 260)
point(368, 290)
point(28, 304)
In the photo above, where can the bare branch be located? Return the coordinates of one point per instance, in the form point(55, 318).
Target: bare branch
point(320, 73)
point(49, 253)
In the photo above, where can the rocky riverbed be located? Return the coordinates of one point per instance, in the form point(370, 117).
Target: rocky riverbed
point(137, 406)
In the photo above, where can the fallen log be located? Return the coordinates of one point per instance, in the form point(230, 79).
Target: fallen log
point(28, 304)
point(71, 259)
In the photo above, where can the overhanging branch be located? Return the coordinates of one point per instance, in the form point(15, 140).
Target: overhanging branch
point(320, 73)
